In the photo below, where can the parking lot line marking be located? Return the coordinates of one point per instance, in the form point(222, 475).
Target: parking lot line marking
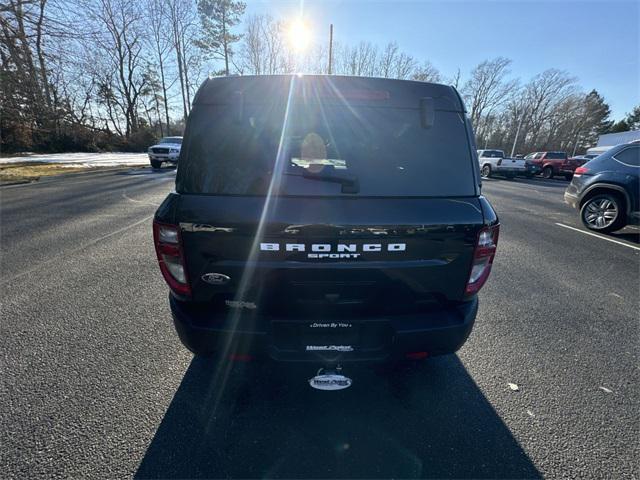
point(598, 236)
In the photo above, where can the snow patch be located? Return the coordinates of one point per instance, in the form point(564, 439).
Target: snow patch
point(86, 160)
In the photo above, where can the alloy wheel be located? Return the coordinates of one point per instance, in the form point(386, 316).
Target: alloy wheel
point(600, 212)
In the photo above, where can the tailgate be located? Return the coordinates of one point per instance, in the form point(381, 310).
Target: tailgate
point(328, 255)
point(513, 164)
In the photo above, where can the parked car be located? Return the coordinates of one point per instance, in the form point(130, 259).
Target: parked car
point(582, 159)
point(494, 162)
point(553, 163)
point(606, 190)
point(167, 150)
point(359, 244)
point(531, 169)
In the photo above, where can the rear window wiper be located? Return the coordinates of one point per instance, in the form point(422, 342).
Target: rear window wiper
point(329, 173)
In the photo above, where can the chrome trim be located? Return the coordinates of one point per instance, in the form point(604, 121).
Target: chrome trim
point(202, 227)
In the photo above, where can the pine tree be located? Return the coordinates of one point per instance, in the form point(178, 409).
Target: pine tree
point(633, 119)
point(217, 18)
point(598, 111)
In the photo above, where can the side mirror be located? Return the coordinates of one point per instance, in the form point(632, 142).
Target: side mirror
point(427, 112)
point(238, 107)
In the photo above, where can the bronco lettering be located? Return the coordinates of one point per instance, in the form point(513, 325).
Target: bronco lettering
point(327, 248)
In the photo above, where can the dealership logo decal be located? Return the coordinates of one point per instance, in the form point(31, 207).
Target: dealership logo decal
point(326, 250)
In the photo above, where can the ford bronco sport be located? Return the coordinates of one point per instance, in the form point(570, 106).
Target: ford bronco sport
point(325, 219)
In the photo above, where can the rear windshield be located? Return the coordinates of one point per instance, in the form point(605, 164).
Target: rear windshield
point(493, 154)
point(274, 149)
point(556, 155)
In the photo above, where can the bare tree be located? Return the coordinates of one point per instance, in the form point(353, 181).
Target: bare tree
point(182, 20)
point(357, 60)
point(455, 80)
point(160, 42)
point(387, 60)
point(543, 96)
point(426, 73)
point(487, 89)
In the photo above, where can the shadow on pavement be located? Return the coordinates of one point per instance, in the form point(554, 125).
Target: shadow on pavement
point(149, 171)
point(429, 420)
point(629, 236)
point(554, 182)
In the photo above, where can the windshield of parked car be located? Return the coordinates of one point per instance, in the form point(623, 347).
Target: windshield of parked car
point(385, 148)
point(176, 140)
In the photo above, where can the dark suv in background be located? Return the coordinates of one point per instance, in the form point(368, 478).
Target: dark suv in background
point(314, 220)
point(606, 190)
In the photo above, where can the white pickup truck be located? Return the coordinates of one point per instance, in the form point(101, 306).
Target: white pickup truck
point(493, 162)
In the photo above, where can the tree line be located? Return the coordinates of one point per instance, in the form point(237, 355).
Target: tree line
point(94, 75)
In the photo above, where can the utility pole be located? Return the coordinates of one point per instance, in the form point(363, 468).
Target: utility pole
point(330, 47)
point(515, 140)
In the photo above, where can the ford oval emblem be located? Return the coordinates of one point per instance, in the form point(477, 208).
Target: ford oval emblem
point(330, 381)
point(215, 278)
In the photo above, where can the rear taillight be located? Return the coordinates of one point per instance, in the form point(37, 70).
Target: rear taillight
point(482, 258)
point(581, 170)
point(168, 243)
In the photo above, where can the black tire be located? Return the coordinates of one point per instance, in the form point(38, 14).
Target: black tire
point(547, 172)
point(486, 171)
point(529, 175)
point(156, 164)
point(604, 213)
point(568, 176)
point(510, 177)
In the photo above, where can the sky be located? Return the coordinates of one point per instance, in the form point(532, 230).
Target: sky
point(596, 41)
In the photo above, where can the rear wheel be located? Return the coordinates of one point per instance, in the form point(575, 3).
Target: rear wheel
point(547, 172)
point(568, 176)
point(156, 164)
point(486, 171)
point(603, 213)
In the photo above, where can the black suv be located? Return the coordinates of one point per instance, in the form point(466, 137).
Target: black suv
point(606, 190)
point(325, 219)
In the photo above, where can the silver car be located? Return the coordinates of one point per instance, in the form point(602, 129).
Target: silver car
point(167, 150)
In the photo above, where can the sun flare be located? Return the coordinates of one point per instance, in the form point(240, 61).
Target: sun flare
point(299, 35)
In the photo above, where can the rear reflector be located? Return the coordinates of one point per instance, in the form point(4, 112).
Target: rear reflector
point(483, 256)
point(168, 243)
point(417, 355)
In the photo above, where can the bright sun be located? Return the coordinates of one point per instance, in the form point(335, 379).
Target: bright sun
point(299, 35)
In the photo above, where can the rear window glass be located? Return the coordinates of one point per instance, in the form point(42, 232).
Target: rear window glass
point(272, 148)
point(493, 154)
point(556, 155)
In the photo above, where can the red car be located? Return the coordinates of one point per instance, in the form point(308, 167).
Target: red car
point(554, 163)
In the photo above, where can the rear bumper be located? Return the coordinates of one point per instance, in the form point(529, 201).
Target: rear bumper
point(510, 171)
point(317, 340)
point(571, 200)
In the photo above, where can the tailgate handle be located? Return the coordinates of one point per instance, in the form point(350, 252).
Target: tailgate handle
point(427, 112)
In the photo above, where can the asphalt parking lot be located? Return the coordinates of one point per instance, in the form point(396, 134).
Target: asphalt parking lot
point(96, 384)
